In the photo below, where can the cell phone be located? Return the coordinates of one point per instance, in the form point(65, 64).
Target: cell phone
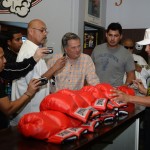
point(43, 81)
point(50, 50)
point(64, 54)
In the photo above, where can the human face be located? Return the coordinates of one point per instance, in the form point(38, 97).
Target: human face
point(38, 33)
point(16, 42)
point(73, 49)
point(147, 49)
point(113, 38)
point(2, 59)
point(129, 44)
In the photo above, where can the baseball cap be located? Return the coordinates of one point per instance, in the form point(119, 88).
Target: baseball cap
point(146, 40)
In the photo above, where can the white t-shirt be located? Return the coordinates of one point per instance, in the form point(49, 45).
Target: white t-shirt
point(19, 86)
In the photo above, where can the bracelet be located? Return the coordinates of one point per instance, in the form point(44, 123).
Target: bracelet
point(27, 94)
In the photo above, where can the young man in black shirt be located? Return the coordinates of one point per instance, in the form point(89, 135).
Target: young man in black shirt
point(12, 45)
point(8, 107)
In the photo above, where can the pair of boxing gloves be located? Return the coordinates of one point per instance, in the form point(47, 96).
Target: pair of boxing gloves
point(53, 126)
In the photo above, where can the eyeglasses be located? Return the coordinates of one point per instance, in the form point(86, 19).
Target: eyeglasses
point(41, 30)
point(129, 47)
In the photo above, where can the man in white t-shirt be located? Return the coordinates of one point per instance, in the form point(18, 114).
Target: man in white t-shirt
point(36, 36)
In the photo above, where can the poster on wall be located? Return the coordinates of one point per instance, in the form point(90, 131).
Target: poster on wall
point(90, 39)
point(92, 12)
point(19, 7)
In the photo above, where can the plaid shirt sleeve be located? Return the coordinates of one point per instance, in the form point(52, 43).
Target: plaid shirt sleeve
point(91, 76)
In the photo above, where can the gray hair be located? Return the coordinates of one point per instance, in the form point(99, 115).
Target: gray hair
point(69, 36)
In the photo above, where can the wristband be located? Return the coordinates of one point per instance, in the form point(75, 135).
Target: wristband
point(26, 93)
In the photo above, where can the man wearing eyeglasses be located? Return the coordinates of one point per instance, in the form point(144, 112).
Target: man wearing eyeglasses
point(112, 60)
point(139, 60)
point(36, 37)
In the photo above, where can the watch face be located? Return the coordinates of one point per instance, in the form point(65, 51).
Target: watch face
point(138, 47)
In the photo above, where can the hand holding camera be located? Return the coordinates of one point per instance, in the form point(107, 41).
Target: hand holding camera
point(50, 50)
point(43, 81)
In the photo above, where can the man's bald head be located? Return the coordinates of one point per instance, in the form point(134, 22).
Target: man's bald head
point(37, 31)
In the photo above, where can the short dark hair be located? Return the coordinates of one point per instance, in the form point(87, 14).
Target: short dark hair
point(114, 26)
point(3, 40)
point(10, 33)
point(69, 36)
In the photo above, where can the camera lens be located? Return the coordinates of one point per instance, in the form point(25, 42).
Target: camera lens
point(50, 50)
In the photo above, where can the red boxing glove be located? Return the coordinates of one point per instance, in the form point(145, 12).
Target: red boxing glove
point(111, 105)
point(108, 115)
point(126, 89)
point(130, 108)
point(36, 125)
point(105, 88)
point(76, 97)
point(97, 103)
point(100, 100)
point(65, 122)
point(118, 104)
point(39, 126)
point(59, 118)
point(81, 102)
point(93, 90)
point(91, 125)
point(65, 104)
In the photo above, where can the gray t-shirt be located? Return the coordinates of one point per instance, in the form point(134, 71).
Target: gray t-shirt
point(111, 64)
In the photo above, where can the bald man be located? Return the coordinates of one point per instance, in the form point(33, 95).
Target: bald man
point(36, 36)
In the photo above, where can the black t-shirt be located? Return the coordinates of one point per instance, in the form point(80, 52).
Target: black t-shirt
point(10, 55)
point(4, 122)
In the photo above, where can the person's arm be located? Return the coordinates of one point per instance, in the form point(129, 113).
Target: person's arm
point(60, 63)
point(10, 107)
point(121, 96)
point(130, 77)
point(91, 76)
point(140, 86)
point(20, 69)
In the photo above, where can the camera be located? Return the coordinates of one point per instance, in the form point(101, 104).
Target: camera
point(50, 50)
point(43, 81)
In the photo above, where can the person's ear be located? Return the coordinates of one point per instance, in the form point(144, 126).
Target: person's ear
point(106, 34)
point(121, 37)
point(9, 42)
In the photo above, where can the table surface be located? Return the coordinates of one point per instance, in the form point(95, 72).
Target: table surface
point(11, 139)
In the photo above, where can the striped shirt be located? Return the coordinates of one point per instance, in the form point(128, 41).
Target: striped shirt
point(75, 72)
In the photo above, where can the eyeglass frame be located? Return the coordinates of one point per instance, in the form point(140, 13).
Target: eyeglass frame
point(41, 30)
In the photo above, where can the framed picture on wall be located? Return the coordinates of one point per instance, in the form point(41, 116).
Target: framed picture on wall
point(90, 39)
point(92, 12)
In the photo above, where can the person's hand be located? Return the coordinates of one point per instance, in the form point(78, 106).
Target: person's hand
point(40, 53)
point(33, 86)
point(139, 85)
point(138, 68)
point(119, 96)
point(60, 63)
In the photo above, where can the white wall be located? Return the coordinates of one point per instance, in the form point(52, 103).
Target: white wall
point(131, 14)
